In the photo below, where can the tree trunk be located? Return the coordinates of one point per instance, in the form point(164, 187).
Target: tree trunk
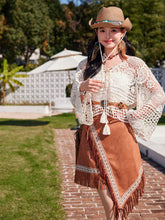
point(28, 55)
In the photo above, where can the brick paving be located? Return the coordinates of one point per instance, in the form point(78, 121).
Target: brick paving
point(84, 203)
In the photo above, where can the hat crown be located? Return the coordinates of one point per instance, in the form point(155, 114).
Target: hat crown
point(110, 13)
point(111, 17)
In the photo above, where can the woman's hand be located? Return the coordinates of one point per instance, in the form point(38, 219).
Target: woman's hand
point(91, 85)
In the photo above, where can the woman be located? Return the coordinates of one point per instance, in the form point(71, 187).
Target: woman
point(115, 96)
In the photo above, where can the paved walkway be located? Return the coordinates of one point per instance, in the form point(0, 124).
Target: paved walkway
point(14, 115)
point(84, 203)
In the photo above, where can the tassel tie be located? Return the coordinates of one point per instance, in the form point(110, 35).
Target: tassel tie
point(106, 130)
point(104, 120)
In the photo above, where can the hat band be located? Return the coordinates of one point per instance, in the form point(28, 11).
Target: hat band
point(110, 21)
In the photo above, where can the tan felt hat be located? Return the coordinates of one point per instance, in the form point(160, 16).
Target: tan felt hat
point(111, 17)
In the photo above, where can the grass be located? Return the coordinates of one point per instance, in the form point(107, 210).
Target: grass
point(30, 181)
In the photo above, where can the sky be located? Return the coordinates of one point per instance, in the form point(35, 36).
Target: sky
point(66, 1)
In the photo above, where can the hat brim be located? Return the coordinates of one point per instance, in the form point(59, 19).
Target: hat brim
point(126, 24)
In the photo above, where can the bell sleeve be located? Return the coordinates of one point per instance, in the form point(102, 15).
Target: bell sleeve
point(150, 102)
point(83, 108)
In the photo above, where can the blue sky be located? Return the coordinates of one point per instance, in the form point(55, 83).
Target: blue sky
point(66, 1)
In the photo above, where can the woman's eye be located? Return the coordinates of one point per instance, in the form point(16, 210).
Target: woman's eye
point(102, 31)
point(113, 30)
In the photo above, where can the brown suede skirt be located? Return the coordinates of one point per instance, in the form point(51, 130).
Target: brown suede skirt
point(112, 161)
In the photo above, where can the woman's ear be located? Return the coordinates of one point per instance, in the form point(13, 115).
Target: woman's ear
point(123, 31)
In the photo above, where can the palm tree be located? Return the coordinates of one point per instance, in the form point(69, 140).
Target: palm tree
point(8, 77)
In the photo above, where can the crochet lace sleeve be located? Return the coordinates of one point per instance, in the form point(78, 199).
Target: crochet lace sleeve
point(150, 102)
point(81, 108)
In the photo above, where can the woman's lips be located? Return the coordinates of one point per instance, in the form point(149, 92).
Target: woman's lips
point(108, 41)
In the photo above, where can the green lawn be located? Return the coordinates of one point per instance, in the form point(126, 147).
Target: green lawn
point(30, 181)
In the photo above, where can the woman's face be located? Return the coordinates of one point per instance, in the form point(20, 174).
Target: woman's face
point(109, 37)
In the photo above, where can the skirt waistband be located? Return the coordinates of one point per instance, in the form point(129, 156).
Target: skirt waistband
point(104, 103)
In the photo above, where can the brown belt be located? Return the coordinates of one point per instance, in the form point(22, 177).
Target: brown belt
point(103, 103)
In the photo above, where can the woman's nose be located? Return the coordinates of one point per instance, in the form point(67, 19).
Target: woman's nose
point(108, 34)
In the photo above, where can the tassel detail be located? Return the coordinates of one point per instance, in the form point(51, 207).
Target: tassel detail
point(103, 118)
point(106, 130)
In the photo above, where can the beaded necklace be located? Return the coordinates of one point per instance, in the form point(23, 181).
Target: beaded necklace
point(111, 57)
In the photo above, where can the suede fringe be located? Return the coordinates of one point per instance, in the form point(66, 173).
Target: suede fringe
point(89, 179)
point(131, 201)
point(77, 137)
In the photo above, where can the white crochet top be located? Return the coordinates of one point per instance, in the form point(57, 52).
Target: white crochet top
point(130, 82)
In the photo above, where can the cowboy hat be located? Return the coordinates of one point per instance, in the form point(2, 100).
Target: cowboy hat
point(111, 17)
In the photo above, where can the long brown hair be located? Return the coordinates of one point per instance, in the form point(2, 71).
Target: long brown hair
point(122, 49)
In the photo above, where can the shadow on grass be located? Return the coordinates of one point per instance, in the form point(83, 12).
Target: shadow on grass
point(24, 123)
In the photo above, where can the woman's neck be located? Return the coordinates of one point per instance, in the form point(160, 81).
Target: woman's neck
point(109, 50)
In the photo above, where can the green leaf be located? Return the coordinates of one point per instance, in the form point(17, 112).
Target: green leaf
point(16, 82)
point(5, 67)
point(11, 87)
point(21, 75)
point(15, 70)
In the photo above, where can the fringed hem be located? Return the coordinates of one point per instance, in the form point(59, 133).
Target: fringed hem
point(131, 201)
point(133, 198)
point(89, 179)
point(95, 181)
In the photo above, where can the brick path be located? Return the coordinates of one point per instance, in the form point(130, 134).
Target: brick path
point(84, 203)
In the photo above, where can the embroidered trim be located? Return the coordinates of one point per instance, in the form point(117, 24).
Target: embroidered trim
point(120, 200)
point(133, 187)
point(87, 169)
point(111, 111)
